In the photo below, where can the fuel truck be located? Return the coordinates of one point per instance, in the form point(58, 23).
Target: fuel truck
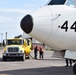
point(17, 48)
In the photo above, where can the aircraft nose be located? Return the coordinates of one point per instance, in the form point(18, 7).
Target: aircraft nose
point(27, 24)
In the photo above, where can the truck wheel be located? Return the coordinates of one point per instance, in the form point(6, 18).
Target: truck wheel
point(23, 58)
point(74, 69)
point(4, 59)
point(28, 57)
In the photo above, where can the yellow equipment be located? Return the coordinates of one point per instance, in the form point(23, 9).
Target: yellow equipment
point(17, 48)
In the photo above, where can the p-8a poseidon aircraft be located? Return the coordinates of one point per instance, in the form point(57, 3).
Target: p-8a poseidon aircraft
point(54, 25)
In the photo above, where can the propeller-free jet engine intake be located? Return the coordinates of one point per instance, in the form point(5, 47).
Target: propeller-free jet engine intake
point(55, 26)
point(27, 24)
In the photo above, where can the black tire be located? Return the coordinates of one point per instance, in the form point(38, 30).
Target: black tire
point(27, 57)
point(23, 58)
point(74, 69)
point(4, 59)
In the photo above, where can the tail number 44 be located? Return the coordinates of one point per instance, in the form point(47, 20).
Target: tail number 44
point(65, 26)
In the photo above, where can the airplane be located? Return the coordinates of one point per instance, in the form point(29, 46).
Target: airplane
point(54, 25)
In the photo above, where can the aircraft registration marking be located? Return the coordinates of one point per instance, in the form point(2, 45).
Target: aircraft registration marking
point(66, 26)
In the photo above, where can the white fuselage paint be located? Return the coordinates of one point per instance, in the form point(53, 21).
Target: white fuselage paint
point(47, 26)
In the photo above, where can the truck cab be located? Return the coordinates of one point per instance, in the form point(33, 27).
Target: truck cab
point(16, 48)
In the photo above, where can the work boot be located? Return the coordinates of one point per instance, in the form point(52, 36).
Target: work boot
point(70, 65)
point(66, 66)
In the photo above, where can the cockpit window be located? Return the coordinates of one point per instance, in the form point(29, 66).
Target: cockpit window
point(70, 2)
point(56, 2)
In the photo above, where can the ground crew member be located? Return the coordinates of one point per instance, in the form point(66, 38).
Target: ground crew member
point(41, 52)
point(68, 61)
point(35, 52)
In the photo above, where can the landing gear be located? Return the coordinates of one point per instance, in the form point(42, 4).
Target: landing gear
point(74, 68)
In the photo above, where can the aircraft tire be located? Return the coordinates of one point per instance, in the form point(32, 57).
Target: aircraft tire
point(74, 68)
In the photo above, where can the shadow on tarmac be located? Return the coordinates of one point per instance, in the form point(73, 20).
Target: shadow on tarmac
point(40, 71)
point(9, 60)
point(1, 60)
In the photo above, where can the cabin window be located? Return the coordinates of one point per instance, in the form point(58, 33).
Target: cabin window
point(70, 2)
point(57, 2)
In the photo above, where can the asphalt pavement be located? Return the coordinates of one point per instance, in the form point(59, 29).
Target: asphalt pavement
point(48, 66)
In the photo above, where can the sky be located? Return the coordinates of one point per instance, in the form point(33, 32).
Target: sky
point(11, 13)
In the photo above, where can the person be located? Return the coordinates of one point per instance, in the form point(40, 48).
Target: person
point(35, 52)
point(68, 61)
point(41, 51)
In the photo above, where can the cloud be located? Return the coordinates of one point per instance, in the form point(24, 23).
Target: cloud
point(9, 10)
point(10, 21)
point(11, 13)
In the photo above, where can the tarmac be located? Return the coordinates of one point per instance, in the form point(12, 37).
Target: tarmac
point(48, 66)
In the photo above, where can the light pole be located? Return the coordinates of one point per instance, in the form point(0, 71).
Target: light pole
point(6, 38)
